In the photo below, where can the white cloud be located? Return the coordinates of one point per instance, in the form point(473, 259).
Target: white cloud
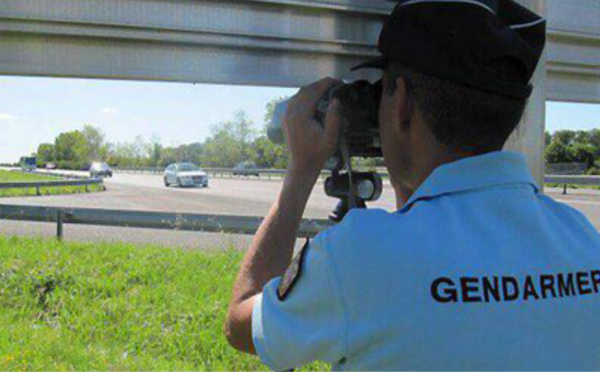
point(108, 111)
point(7, 117)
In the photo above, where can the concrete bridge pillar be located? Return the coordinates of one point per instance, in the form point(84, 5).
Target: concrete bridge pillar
point(529, 136)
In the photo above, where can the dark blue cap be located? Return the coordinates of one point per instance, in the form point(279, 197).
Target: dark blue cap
point(468, 42)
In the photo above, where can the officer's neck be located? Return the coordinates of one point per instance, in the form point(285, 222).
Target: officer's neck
point(426, 154)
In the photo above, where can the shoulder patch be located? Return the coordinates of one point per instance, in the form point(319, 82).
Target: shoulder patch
point(289, 279)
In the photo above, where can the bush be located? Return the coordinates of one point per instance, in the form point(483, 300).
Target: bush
point(594, 171)
point(73, 165)
point(583, 153)
point(558, 153)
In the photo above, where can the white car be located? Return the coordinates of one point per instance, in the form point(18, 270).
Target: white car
point(185, 175)
point(100, 170)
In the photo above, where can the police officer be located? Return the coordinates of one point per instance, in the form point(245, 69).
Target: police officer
point(476, 269)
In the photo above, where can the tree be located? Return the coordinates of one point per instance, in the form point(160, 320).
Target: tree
point(594, 139)
point(548, 139)
point(124, 154)
point(222, 149)
point(243, 132)
point(154, 151)
point(71, 150)
point(95, 142)
point(271, 109)
point(230, 142)
point(583, 153)
point(276, 156)
point(558, 153)
point(269, 155)
point(193, 152)
point(167, 156)
point(45, 154)
point(582, 137)
point(564, 137)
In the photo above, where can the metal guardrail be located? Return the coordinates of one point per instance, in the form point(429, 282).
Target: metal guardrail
point(248, 172)
point(566, 169)
point(57, 174)
point(160, 170)
point(61, 183)
point(153, 170)
point(177, 221)
point(222, 172)
point(148, 220)
point(215, 172)
point(573, 180)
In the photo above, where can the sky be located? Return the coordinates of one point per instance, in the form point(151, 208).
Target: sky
point(35, 110)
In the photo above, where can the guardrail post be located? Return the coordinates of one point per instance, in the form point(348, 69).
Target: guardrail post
point(565, 189)
point(59, 225)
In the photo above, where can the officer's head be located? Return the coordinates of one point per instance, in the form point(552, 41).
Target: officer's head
point(456, 78)
point(420, 112)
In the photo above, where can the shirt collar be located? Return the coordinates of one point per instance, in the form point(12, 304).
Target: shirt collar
point(476, 172)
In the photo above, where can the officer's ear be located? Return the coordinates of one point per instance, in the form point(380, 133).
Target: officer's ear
point(403, 100)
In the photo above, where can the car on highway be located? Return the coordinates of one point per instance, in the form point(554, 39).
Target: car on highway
point(185, 175)
point(100, 170)
point(28, 163)
point(246, 168)
point(51, 166)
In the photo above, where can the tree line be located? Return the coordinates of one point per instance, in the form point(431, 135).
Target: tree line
point(231, 142)
point(238, 140)
point(568, 146)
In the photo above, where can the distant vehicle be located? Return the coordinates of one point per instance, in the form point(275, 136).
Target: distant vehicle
point(28, 163)
point(185, 175)
point(246, 168)
point(51, 166)
point(100, 170)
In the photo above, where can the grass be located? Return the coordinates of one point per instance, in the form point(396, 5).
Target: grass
point(75, 306)
point(17, 176)
point(8, 176)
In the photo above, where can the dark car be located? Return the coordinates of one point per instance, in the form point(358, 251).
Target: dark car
point(100, 170)
point(246, 169)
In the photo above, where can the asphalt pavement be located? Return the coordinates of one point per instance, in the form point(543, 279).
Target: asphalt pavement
point(240, 196)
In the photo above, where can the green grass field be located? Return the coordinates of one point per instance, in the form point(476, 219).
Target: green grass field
point(8, 176)
point(16, 176)
point(70, 306)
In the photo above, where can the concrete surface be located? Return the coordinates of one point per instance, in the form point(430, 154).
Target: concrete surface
point(249, 197)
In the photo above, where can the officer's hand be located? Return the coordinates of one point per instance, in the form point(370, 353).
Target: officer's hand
point(309, 144)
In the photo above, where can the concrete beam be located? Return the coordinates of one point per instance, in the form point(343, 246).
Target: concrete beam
point(529, 137)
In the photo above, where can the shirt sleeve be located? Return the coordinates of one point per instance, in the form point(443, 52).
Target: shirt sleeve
point(309, 324)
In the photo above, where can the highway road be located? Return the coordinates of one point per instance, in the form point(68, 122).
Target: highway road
point(249, 197)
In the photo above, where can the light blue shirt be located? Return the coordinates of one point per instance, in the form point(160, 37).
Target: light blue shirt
point(478, 271)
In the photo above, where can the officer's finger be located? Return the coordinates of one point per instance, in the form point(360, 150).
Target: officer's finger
point(311, 94)
point(333, 121)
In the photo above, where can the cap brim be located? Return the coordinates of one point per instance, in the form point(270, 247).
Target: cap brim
point(379, 63)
